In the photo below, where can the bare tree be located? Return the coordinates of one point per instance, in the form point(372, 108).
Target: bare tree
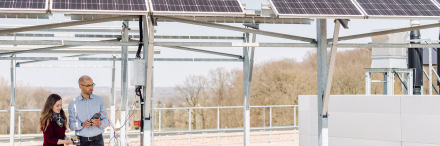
point(192, 93)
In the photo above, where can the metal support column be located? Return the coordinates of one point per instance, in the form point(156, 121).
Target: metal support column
point(385, 86)
point(148, 90)
point(124, 81)
point(112, 102)
point(389, 82)
point(12, 117)
point(331, 67)
point(367, 83)
point(409, 82)
point(321, 25)
point(430, 71)
point(246, 111)
point(251, 66)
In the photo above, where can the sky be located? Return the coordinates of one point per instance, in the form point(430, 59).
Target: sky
point(168, 74)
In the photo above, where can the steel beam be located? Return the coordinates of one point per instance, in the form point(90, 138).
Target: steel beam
point(367, 83)
point(67, 43)
point(119, 59)
point(119, 36)
point(65, 24)
point(124, 82)
point(291, 45)
point(430, 71)
point(331, 67)
point(215, 19)
point(386, 32)
point(26, 16)
point(33, 61)
point(321, 25)
point(76, 50)
point(251, 62)
point(241, 20)
point(246, 111)
point(95, 29)
point(34, 50)
point(247, 30)
point(148, 139)
point(211, 44)
point(206, 51)
point(112, 103)
point(63, 66)
point(12, 103)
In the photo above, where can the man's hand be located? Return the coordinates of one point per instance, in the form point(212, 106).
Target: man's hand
point(96, 122)
point(87, 123)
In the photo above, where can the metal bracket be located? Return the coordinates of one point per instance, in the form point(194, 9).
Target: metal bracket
point(252, 25)
point(344, 22)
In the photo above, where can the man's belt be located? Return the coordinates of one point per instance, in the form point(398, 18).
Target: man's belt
point(90, 138)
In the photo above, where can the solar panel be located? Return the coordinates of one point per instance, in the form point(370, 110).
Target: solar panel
point(100, 6)
point(197, 7)
point(399, 8)
point(316, 8)
point(23, 6)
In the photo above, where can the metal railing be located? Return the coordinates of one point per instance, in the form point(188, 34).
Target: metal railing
point(189, 131)
point(218, 130)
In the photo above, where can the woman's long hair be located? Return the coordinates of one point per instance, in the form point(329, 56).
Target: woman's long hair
point(47, 112)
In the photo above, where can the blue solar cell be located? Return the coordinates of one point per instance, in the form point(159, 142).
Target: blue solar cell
point(220, 6)
point(23, 4)
point(97, 5)
point(399, 7)
point(315, 7)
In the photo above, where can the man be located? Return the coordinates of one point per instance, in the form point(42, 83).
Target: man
point(82, 109)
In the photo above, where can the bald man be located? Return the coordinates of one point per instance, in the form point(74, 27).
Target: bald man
point(82, 109)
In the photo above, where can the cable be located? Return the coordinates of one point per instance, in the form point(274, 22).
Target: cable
point(125, 122)
point(141, 38)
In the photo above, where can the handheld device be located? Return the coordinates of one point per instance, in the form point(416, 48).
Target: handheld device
point(96, 116)
point(75, 141)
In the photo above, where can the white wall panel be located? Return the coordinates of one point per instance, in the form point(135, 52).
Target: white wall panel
point(336, 141)
point(371, 126)
point(364, 104)
point(421, 128)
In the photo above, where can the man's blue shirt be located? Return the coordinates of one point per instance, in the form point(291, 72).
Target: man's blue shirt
point(80, 110)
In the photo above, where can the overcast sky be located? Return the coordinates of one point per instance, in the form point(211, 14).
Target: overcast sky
point(168, 74)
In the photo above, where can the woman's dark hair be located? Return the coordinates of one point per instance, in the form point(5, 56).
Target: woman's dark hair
point(47, 112)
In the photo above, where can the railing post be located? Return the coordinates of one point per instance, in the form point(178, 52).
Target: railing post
point(189, 125)
point(160, 124)
point(218, 126)
point(270, 116)
point(19, 128)
point(294, 123)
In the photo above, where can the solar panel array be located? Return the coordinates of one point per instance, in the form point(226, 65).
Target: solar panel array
point(23, 4)
point(316, 7)
point(100, 5)
point(196, 6)
point(399, 7)
point(284, 8)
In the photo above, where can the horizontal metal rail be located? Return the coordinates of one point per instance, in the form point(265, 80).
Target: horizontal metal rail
point(118, 59)
point(120, 36)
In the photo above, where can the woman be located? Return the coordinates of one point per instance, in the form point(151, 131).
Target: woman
point(53, 122)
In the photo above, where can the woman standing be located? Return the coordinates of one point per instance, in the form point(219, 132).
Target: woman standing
point(53, 122)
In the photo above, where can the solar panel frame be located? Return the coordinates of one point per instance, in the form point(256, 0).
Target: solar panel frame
point(362, 16)
point(369, 16)
point(109, 12)
point(22, 10)
point(186, 13)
